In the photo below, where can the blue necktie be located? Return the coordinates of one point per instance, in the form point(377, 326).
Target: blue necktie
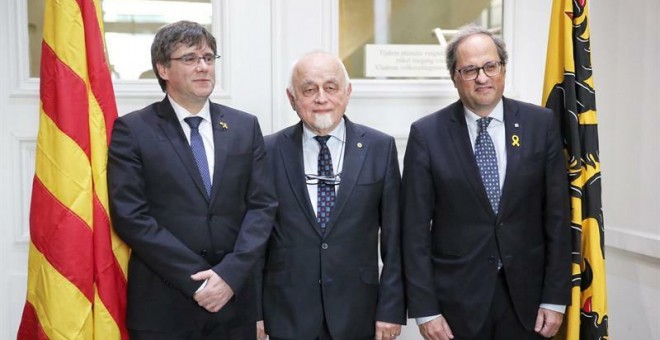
point(484, 151)
point(197, 146)
point(326, 192)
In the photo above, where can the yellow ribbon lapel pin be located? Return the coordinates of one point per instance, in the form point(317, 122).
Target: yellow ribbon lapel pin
point(515, 140)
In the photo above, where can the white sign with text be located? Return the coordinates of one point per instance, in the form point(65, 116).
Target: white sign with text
point(405, 61)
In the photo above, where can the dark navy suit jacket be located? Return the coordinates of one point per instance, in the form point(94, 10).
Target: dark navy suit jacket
point(160, 208)
point(452, 239)
point(309, 274)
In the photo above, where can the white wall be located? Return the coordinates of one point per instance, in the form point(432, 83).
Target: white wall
point(625, 47)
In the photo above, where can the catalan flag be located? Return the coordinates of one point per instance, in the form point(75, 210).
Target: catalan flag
point(569, 91)
point(76, 265)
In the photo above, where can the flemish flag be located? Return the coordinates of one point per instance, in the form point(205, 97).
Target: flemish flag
point(569, 91)
point(76, 265)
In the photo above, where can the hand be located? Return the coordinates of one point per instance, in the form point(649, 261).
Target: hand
point(261, 330)
point(386, 330)
point(436, 329)
point(215, 295)
point(548, 322)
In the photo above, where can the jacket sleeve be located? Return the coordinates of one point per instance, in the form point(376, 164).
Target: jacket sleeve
point(391, 300)
point(417, 202)
point(257, 223)
point(556, 223)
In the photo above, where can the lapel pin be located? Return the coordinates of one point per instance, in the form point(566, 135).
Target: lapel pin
point(359, 145)
point(515, 140)
point(223, 125)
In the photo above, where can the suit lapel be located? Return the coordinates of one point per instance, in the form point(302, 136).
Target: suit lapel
point(222, 143)
point(172, 129)
point(514, 132)
point(291, 152)
point(356, 147)
point(463, 146)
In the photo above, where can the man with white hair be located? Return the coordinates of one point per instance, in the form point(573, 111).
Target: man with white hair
point(337, 183)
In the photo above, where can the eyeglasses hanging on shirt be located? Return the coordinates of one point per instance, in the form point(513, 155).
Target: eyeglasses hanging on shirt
point(313, 179)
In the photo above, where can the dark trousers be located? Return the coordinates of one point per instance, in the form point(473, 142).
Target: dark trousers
point(324, 334)
point(208, 332)
point(502, 322)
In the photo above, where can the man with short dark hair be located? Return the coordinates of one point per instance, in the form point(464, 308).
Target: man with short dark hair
point(191, 194)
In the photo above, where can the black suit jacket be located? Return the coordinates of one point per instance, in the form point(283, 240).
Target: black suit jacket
point(451, 267)
point(308, 274)
point(160, 209)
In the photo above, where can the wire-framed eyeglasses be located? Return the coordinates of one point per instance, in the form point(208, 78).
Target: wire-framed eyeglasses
point(193, 59)
point(490, 68)
point(311, 179)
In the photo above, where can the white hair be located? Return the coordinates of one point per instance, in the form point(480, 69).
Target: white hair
point(347, 79)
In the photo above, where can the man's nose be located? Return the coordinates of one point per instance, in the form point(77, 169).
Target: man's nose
point(481, 76)
point(201, 64)
point(321, 97)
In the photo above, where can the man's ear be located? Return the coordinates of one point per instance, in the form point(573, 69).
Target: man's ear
point(162, 71)
point(292, 99)
point(453, 79)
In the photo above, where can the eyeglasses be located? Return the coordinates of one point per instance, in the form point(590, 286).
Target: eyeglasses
point(329, 180)
point(491, 69)
point(193, 59)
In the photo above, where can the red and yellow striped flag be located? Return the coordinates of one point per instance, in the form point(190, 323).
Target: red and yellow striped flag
point(77, 265)
point(569, 91)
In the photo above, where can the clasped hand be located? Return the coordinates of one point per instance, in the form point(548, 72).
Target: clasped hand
point(215, 294)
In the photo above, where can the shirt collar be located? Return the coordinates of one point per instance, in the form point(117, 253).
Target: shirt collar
point(339, 132)
point(182, 113)
point(497, 114)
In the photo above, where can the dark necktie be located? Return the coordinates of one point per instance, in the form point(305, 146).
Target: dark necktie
point(484, 151)
point(326, 192)
point(197, 146)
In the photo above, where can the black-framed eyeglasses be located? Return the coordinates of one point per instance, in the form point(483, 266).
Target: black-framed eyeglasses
point(491, 69)
point(193, 59)
point(311, 179)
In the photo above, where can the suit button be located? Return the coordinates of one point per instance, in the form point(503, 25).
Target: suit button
point(324, 246)
point(203, 252)
point(491, 259)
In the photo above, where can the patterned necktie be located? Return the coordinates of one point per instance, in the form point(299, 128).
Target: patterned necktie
point(326, 192)
point(484, 151)
point(197, 146)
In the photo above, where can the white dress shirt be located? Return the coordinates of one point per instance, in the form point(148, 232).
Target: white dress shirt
point(205, 129)
point(497, 133)
point(311, 149)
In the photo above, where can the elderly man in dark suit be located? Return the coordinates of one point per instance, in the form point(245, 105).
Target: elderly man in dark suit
point(486, 233)
point(338, 187)
point(191, 194)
